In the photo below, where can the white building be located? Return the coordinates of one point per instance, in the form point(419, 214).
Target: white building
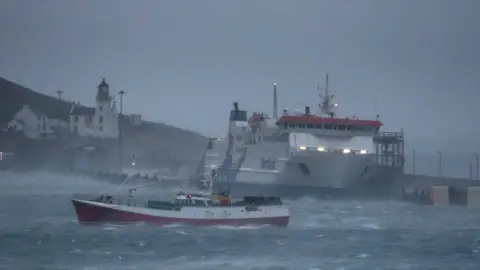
point(101, 121)
point(32, 122)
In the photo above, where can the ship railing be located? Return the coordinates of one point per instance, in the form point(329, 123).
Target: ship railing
point(119, 200)
point(380, 135)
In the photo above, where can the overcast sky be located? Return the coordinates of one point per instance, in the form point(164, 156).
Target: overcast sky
point(185, 62)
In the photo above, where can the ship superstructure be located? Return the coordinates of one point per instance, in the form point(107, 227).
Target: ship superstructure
point(297, 149)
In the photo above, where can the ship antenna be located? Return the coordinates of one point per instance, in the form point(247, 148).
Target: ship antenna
point(275, 110)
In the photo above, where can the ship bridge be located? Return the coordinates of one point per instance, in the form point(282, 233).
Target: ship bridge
point(329, 134)
point(335, 126)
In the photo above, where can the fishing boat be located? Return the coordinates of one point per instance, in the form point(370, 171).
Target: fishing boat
point(187, 208)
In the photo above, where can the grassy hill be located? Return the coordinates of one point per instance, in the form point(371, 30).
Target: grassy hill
point(155, 144)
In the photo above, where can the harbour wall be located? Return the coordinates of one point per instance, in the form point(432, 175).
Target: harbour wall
point(436, 190)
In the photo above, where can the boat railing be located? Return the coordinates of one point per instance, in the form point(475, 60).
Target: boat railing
point(123, 201)
point(107, 198)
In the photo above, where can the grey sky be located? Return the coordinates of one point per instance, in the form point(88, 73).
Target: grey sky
point(185, 62)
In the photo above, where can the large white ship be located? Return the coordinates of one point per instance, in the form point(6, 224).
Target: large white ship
point(294, 152)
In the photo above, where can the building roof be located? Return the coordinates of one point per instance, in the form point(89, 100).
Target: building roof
point(103, 84)
point(103, 91)
point(82, 110)
point(34, 110)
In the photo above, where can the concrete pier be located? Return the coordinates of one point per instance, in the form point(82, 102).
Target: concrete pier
point(434, 190)
point(473, 196)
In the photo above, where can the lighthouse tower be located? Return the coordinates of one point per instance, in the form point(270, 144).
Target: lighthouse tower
point(106, 119)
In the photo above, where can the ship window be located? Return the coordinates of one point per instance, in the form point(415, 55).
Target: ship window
point(239, 138)
point(291, 125)
point(285, 125)
point(301, 125)
point(310, 125)
point(342, 127)
point(367, 129)
point(318, 126)
point(352, 127)
point(360, 128)
point(328, 126)
point(259, 138)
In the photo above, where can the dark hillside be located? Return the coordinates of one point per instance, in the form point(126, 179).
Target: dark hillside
point(13, 96)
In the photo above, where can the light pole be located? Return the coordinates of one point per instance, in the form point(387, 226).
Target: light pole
point(470, 169)
point(59, 93)
point(414, 155)
point(120, 132)
point(439, 163)
point(476, 165)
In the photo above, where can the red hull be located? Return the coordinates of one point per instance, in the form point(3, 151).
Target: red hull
point(88, 213)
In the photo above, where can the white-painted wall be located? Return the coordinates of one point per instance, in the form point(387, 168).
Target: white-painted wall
point(103, 123)
point(106, 120)
point(311, 141)
point(135, 119)
point(34, 126)
point(81, 125)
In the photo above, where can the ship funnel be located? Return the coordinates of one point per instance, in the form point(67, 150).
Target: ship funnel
point(235, 106)
point(275, 116)
point(307, 110)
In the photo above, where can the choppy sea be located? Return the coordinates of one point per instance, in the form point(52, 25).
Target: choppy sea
point(38, 230)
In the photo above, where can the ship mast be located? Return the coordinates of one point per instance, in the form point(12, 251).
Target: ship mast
point(275, 110)
point(325, 105)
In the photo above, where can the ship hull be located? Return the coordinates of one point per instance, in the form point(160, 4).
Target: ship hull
point(314, 170)
point(368, 190)
point(326, 170)
point(101, 213)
